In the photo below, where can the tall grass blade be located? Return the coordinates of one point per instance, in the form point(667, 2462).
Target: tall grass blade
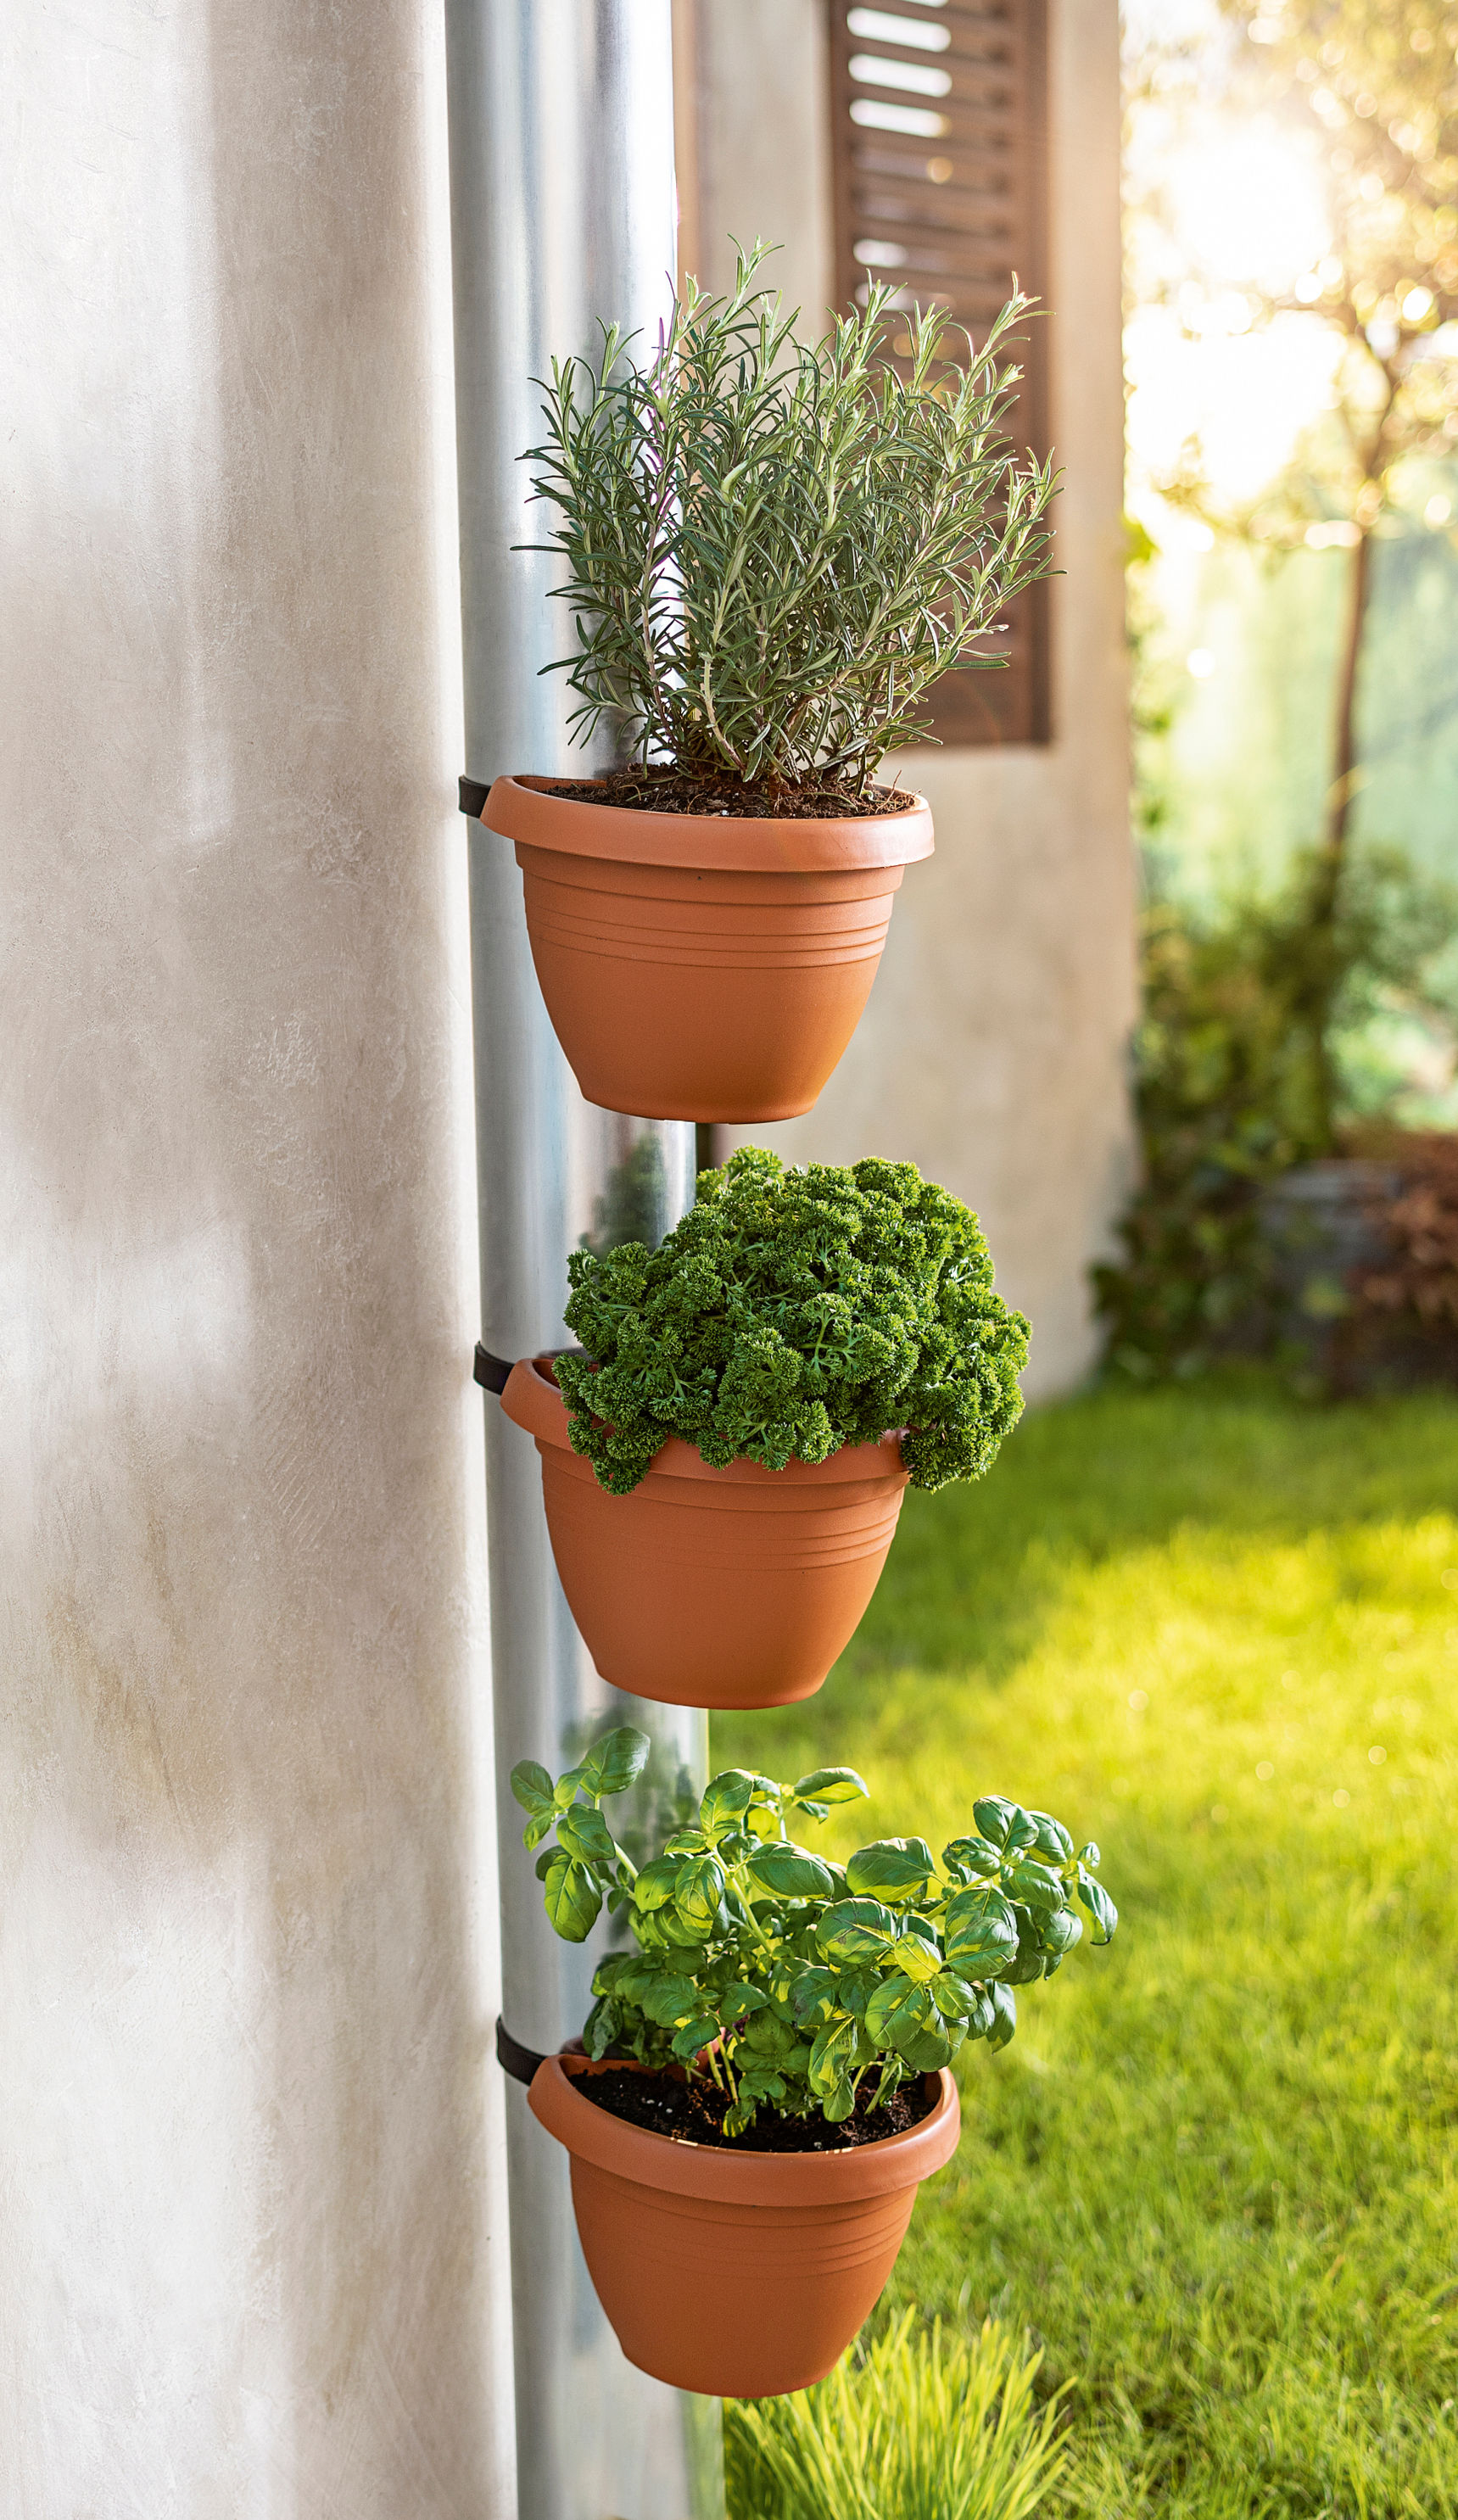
point(919, 2426)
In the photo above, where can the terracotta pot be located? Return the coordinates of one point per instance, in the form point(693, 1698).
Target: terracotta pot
point(712, 1588)
point(737, 2275)
point(702, 967)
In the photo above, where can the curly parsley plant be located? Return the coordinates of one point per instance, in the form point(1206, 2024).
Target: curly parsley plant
point(791, 1312)
point(772, 548)
point(787, 1978)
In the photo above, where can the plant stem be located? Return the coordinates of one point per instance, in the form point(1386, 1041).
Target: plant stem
point(1341, 794)
point(1326, 891)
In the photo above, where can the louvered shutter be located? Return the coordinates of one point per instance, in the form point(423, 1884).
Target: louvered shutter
point(939, 120)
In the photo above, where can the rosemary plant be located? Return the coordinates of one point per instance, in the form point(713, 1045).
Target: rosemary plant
point(772, 548)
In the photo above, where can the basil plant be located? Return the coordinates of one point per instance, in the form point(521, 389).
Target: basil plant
point(787, 1977)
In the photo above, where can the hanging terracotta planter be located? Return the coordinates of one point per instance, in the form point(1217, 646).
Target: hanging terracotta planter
point(733, 2272)
point(702, 967)
point(731, 1588)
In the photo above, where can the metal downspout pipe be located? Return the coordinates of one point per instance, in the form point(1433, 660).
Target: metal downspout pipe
point(562, 217)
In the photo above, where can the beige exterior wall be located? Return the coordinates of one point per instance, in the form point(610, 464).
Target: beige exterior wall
point(251, 2216)
point(992, 1052)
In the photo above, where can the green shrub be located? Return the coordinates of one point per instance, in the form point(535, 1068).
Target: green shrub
point(773, 548)
point(790, 1313)
point(1243, 1068)
point(917, 2426)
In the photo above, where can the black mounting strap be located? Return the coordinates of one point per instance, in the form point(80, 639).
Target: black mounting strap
point(474, 795)
point(513, 2059)
point(491, 1370)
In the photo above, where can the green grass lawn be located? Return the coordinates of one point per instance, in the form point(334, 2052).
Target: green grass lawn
point(1215, 2174)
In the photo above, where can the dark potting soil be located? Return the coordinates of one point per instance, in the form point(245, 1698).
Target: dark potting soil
point(694, 2113)
point(666, 790)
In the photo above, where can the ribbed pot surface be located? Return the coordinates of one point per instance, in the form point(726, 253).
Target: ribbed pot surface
point(703, 997)
point(699, 966)
point(731, 2273)
point(733, 1588)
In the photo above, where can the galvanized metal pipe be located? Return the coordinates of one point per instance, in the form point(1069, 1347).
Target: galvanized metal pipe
point(563, 218)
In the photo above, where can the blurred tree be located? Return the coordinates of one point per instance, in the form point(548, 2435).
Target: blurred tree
point(1377, 83)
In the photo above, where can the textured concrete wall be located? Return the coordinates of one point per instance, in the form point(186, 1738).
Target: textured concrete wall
point(251, 2245)
point(992, 1052)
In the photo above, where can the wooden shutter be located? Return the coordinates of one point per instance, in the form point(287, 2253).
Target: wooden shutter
point(939, 121)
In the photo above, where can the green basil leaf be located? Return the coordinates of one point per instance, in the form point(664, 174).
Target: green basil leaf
point(926, 2051)
point(616, 1761)
point(832, 1785)
point(761, 2083)
point(573, 1899)
point(970, 1859)
point(680, 1931)
point(839, 2105)
point(739, 1999)
point(1101, 1908)
point(917, 1959)
point(585, 1833)
point(671, 1999)
point(893, 2076)
point(897, 2009)
point(1062, 1932)
point(810, 1991)
point(724, 1801)
point(533, 1787)
point(832, 2051)
point(979, 1931)
point(894, 1867)
point(770, 2035)
point(1052, 1839)
point(856, 1988)
point(1034, 1883)
point(656, 1883)
point(1006, 1826)
point(1028, 1964)
point(648, 1934)
point(788, 1873)
point(694, 2035)
point(856, 1929)
point(698, 1892)
point(962, 2007)
point(1004, 2015)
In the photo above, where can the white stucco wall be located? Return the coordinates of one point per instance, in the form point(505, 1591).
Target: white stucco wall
point(252, 2243)
point(992, 1052)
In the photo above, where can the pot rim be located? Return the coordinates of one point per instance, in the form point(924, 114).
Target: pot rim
point(739, 2177)
point(531, 1399)
point(521, 808)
